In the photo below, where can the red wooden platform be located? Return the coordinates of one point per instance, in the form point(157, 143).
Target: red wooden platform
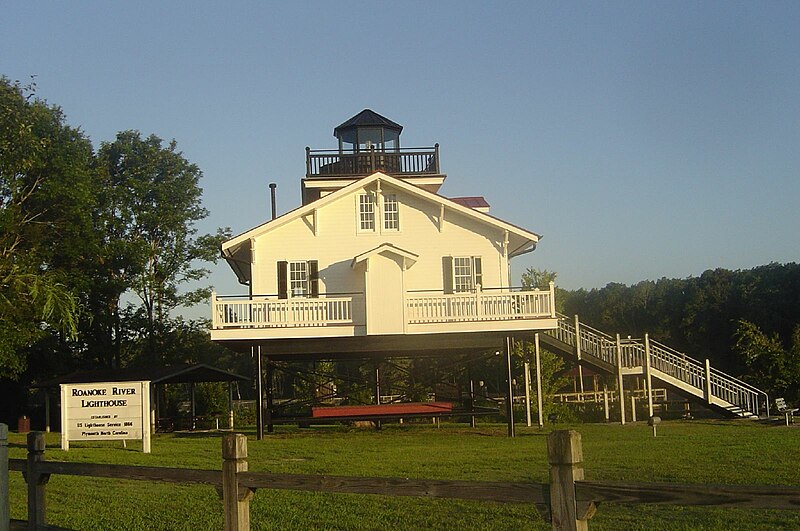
point(387, 410)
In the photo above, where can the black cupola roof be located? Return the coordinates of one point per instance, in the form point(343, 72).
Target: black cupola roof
point(367, 118)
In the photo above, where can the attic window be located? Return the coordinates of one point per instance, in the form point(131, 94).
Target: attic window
point(391, 212)
point(366, 212)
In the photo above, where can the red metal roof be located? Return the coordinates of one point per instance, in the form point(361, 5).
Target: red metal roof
point(471, 202)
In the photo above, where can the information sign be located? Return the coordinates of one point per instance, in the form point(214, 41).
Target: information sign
point(105, 411)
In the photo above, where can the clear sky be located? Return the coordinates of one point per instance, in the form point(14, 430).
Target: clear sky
point(641, 139)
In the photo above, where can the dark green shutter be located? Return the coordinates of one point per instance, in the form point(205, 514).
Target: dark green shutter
point(313, 277)
point(478, 270)
point(283, 279)
point(447, 274)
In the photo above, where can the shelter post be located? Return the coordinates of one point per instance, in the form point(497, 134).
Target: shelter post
point(230, 405)
point(47, 410)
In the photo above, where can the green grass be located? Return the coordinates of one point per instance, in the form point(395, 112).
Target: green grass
point(686, 452)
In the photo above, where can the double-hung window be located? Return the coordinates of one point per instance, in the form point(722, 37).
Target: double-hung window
point(366, 212)
point(462, 273)
point(374, 215)
point(298, 279)
point(391, 212)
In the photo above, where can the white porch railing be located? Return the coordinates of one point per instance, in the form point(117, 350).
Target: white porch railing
point(279, 313)
point(480, 306)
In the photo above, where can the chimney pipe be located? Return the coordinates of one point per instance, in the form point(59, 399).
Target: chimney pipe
point(272, 187)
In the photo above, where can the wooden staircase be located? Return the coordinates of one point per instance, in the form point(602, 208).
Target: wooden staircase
point(721, 392)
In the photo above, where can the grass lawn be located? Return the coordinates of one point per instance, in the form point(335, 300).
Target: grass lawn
point(684, 451)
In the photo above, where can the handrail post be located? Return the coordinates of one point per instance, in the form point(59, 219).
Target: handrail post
point(552, 299)
point(37, 509)
point(5, 521)
point(236, 500)
point(308, 161)
point(436, 156)
point(708, 381)
point(565, 455)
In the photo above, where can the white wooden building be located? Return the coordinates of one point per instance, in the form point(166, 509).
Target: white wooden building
point(376, 261)
point(378, 254)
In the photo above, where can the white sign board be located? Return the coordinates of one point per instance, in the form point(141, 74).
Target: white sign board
point(105, 411)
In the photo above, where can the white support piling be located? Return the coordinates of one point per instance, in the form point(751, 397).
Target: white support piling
point(648, 375)
point(539, 400)
point(621, 388)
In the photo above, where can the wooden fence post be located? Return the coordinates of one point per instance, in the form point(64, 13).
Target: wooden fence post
point(236, 500)
point(5, 521)
point(565, 455)
point(37, 509)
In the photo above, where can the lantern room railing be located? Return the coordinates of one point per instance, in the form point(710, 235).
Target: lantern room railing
point(322, 163)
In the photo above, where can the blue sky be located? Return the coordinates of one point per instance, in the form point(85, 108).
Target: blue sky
point(641, 139)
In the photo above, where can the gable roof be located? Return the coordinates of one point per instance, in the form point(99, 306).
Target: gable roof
point(234, 244)
point(408, 257)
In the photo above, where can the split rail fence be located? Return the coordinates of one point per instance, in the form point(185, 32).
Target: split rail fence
point(568, 501)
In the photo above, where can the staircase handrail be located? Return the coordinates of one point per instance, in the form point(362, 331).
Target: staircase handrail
point(671, 350)
point(584, 326)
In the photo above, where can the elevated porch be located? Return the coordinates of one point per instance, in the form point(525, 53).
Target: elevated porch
point(237, 319)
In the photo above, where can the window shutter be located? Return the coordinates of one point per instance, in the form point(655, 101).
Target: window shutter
point(477, 270)
point(447, 274)
point(283, 282)
point(313, 277)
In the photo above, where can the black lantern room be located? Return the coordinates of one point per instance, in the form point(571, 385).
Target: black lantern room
point(367, 131)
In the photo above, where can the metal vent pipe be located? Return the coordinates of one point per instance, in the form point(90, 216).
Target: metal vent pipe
point(272, 187)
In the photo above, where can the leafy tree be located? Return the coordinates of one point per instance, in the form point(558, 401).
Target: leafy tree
point(770, 365)
point(43, 166)
point(152, 204)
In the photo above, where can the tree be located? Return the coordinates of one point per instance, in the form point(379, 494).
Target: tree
point(770, 365)
point(152, 203)
point(43, 167)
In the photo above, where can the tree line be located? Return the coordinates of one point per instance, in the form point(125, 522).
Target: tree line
point(97, 247)
point(747, 322)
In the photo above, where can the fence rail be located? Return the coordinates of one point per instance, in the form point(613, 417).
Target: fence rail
point(568, 501)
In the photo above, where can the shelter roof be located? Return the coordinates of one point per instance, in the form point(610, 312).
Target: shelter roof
point(186, 373)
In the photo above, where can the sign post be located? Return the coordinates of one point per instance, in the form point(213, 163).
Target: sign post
point(106, 411)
